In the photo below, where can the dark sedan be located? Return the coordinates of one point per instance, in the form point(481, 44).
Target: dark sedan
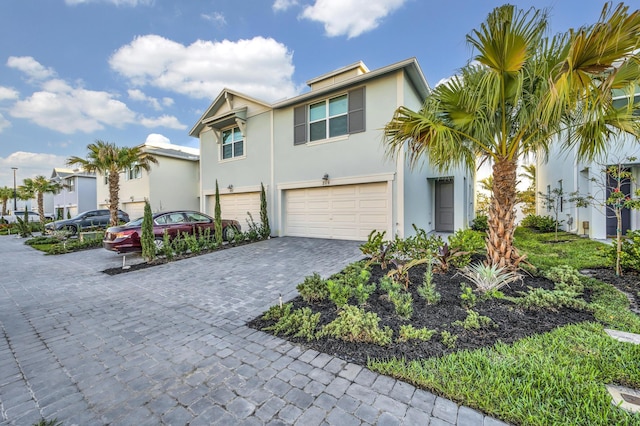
point(126, 238)
point(84, 220)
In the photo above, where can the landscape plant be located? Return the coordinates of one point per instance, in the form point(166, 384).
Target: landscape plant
point(147, 238)
point(519, 93)
point(37, 187)
point(265, 229)
point(217, 216)
point(110, 160)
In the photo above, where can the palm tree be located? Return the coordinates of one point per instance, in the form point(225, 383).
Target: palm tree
point(528, 196)
point(6, 194)
point(36, 188)
point(109, 159)
point(521, 92)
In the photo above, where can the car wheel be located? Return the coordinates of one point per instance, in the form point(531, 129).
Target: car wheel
point(159, 243)
point(229, 233)
point(72, 230)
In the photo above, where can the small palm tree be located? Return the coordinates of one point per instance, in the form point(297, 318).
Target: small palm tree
point(6, 194)
point(521, 92)
point(36, 188)
point(109, 159)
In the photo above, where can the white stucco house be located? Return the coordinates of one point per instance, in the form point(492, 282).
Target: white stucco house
point(321, 159)
point(78, 193)
point(563, 171)
point(172, 184)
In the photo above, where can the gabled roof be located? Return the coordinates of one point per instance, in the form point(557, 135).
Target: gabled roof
point(217, 103)
point(410, 66)
point(351, 75)
point(62, 173)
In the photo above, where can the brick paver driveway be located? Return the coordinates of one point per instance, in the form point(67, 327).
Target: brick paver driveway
point(168, 345)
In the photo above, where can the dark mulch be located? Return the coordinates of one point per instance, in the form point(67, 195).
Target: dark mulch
point(628, 283)
point(512, 322)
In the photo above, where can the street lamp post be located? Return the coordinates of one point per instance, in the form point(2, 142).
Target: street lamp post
point(15, 191)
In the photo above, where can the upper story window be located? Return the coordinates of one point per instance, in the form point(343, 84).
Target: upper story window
point(328, 118)
point(134, 172)
point(232, 143)
point(336, 116)
point(71, 184)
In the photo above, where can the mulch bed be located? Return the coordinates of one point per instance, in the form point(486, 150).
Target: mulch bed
point(512, 322)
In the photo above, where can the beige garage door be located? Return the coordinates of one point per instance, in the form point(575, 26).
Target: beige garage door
point(348, 212)
point(135, 210)
point(236, 206)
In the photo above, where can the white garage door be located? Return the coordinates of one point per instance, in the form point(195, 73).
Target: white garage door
point(135, 210)
point(236, 206)
point(348, 212)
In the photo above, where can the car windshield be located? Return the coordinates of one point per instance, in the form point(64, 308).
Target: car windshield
point(137, 222)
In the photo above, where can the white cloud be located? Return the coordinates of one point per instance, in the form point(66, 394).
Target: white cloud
point(30, 66)
point(132, 3)
point(67, 109)
point(350, 17)
point(138, 95)
point(4, 123)
point(156, 139)
point(216, 17)
point(7, 93)
point(282, 5)
point(29, 164)
point(259, 67)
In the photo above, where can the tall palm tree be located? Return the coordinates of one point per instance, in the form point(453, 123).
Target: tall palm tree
point(36, 188)
point(521, 92)
point(109, 159)
point(6, 194)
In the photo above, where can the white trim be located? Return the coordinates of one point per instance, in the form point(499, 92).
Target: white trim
point(399, 225)
point(328, 140)
point(351, 180)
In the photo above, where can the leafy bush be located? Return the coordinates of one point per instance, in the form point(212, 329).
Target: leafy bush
point(466, 242)
point(630, 254)
point(353, 324)
point(549, 299)
point(467, 297)
point(69, 246)
point(313, 288)
point(277, 311)
point(564, 277)
point(480, 223)
point(352, 282)
point(408, 332)
point(540, 223)
point(402, 302)
point(448, 339)
point(489, 277)
point(299, 323)
point(42, 240)
point(475, 321)
point(387, 284)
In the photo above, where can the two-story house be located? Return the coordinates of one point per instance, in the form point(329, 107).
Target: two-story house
point(322, 160)
point(172, 184)
point(77, 193)
point(588, 178)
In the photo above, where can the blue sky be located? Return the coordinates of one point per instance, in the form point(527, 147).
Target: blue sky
point(73, 71)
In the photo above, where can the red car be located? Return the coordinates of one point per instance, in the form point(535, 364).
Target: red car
point(126, 238)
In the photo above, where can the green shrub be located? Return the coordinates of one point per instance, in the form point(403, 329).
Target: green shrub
point(387, 284)
point(474, 321)
point(313, 288)
point(299, 323)
point(448, 339)
point(480, 223)
point(565, 278)
point(548, 299)
point(167, 246)
point(277, 311)
point(427, 290)
point(408, 332)
point(540, 223)
point(489, 277)
point(147, 239)
point(339, 292)
point(467, 297)
point(42, 240)
point(353, 324)
point(466, 241)
point(353, 281)
point(630, 254)
point(402, 302)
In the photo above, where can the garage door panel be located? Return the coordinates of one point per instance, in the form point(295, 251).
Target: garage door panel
point(236, 206)
point(340, 212)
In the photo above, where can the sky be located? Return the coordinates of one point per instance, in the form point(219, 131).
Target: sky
point(127, 71)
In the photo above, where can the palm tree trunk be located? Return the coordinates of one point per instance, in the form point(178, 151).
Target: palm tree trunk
point(40, 198)
point(114, 189)
point(500, 249)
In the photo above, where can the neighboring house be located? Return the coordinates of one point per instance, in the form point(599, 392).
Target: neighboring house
point(77, 194)
point(172, 184)
point(321, 158)
point(588, 178)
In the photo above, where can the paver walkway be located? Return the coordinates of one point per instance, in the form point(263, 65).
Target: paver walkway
point(168, 345)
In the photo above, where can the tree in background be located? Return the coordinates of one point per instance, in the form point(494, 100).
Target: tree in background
point(519, 93)
point(265, 229)
point(110, 160)
point(36, 188)
point(528, 197)
point(6, 194)
point(147, 238)
point(217, 218)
